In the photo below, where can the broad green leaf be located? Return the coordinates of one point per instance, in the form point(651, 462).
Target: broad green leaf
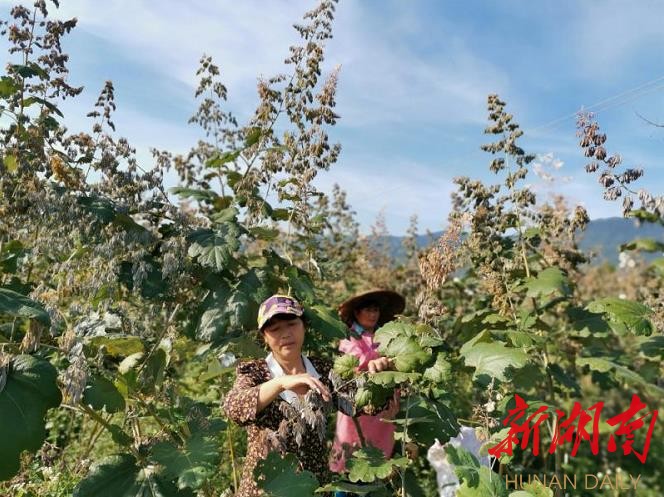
point(325, 321)
point(466, 465)
point(647, 216)
point(393, 330)
point(440, 372)
point(605, 365)
point(551, 280)
point(653, 346)
point(29, 70)
point(369, 464)
point(482, 337)
point(16, 305)
point(345, 366)
point(493, 359)
point(372, 394)
point(522, 338)
point(301, 284)
point(407, 354)
point(279, 477)
point(101, 393)
point(587, 323)
point(192, 464)
point(490, 485)
point(426, 422)
point(120, 476)
point(38, 100)
point(393, 378)
point(624, 315)
point(215, 249)
point(643, 245)
point(30, 389)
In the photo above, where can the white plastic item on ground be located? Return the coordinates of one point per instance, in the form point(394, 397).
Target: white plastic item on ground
point(448, 483)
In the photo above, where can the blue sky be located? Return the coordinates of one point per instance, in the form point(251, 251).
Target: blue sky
point(412, 88)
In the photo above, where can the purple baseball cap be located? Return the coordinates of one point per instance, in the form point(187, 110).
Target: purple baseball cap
point(278, 304)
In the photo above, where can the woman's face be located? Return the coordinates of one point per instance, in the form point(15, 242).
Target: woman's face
point(368, 317)
point(285, 337)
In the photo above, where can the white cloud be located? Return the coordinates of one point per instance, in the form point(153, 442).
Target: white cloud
point(404, 189)
point(609, 34)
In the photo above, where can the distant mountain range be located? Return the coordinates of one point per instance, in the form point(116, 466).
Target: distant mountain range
point(602, 236)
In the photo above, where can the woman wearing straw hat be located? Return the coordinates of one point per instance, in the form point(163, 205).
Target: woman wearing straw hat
point(364, 313)
point(267, 394)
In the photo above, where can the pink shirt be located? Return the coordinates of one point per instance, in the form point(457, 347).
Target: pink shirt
point(378, 433)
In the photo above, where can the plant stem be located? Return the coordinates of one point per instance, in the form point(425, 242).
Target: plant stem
point(360, 435)
point(231, 451)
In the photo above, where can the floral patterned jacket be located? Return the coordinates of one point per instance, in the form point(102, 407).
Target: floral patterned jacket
point(272, 429)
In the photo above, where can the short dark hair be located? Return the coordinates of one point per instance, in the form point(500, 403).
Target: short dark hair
point(281, 317)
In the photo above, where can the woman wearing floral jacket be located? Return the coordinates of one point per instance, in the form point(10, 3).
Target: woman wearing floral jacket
point(267, 396)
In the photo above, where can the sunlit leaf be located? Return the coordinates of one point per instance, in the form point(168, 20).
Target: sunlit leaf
point(624, 315)
point(369, 464)
point(16, 305)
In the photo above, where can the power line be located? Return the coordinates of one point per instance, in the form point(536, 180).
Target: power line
point(609, 102)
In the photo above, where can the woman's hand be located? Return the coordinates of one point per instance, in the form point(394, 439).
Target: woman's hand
point(300, 383)
point(380, 364)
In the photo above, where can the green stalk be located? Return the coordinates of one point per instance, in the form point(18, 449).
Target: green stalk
point(231, 451)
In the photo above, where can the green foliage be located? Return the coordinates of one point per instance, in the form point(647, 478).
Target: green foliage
point(121, 476)
point(279, 477)
point(100, 393)
point(493, 359)
point(549, 281)
point(193, 464)
point(215, 248)
point(26, 392)
point(644, 245)
point(624, 316)
point(466, 465)
point(16, 305)
point(345, 366)
point(369, 464)
point(490, 485)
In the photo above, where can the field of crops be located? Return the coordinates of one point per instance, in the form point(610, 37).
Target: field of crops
point(125, 304)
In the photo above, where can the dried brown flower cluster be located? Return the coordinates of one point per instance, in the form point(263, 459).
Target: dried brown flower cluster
point(437, 263)
point(615, 184)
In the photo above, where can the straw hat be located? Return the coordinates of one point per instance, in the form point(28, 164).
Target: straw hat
point(390, 303)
